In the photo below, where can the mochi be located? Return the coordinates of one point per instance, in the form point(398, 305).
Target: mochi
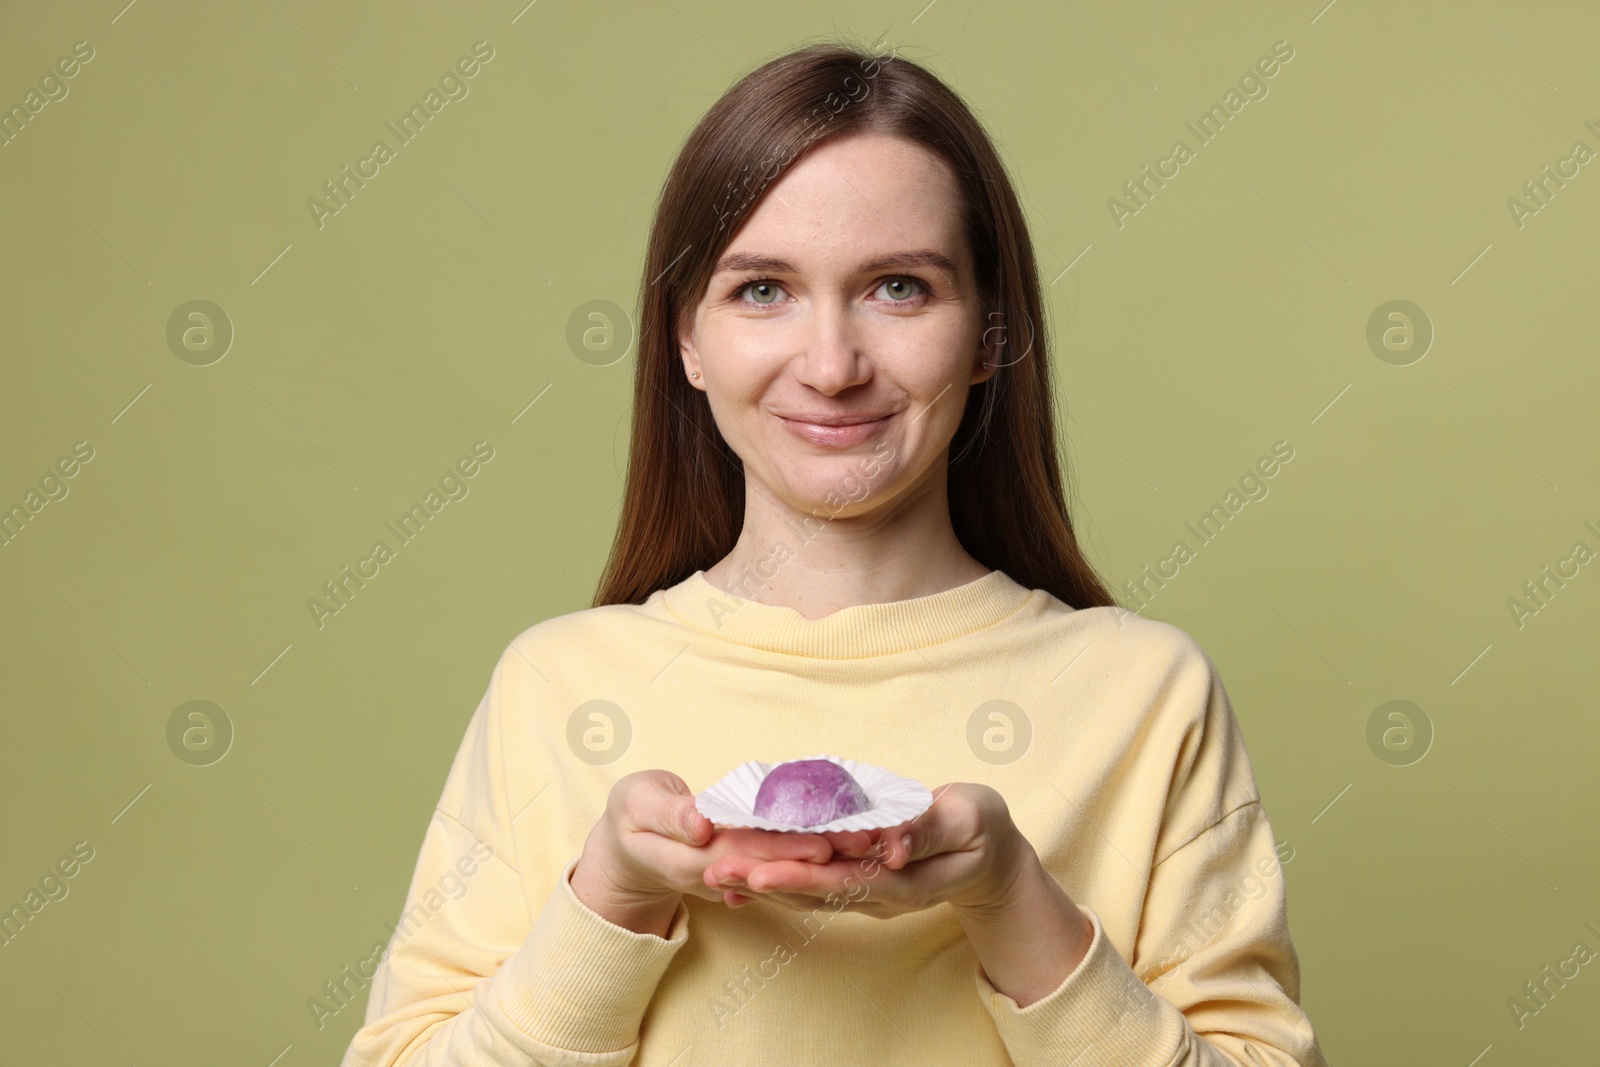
point(809, 792)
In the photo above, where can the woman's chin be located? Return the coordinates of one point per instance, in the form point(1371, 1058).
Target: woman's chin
point(826, 501)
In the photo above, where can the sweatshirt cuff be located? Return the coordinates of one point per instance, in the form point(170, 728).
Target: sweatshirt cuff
point(580, 982)
point(1101, 1015)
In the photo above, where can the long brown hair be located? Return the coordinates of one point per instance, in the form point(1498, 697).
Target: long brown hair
point(683, 503)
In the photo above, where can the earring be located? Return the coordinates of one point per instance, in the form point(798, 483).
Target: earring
point(694, 374)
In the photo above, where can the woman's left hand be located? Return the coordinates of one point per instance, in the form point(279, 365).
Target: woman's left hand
point(964, 850)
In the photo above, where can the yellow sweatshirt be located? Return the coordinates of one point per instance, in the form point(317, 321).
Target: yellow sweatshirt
point(1109, 735)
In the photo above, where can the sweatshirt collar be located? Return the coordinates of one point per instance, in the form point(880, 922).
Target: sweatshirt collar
point(873, 629)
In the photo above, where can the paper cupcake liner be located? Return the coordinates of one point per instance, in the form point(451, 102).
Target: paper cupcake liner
point(731, 802)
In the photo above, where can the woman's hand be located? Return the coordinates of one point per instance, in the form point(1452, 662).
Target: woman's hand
point(964, 850)
point(651, 846)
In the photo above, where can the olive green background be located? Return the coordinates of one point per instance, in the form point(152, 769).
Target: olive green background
point(369, 354)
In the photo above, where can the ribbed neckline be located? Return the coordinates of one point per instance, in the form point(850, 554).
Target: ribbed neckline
point(859, 630)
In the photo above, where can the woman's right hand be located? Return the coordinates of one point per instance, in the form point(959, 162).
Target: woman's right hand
point(652, 845)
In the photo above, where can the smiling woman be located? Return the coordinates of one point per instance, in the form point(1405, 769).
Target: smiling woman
point(890, 253)
point(831, 322)
point(844, 530)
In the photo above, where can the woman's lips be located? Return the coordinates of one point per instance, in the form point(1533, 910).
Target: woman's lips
point(835, 436)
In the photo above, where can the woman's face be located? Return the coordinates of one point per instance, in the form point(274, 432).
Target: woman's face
point(847, 296)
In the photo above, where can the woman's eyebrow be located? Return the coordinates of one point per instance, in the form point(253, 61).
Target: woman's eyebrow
point(919, 257)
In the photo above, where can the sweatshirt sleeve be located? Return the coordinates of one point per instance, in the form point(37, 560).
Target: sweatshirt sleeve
point(467, 979)
point(1214, 980)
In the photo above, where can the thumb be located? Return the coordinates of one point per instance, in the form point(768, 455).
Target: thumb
point(679, 819)
point(926, 835)
point(910, 842)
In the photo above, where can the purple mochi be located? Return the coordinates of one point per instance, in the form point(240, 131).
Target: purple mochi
point(809, 792)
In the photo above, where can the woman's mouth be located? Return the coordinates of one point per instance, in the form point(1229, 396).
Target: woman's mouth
point(828, 436)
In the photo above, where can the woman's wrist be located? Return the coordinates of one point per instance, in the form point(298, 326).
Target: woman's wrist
point(1030, 940)
point(647, 915)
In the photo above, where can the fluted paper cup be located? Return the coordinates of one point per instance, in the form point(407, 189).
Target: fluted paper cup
point(893, 799)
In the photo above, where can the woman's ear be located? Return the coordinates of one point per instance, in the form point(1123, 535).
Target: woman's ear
point(983, 367)
point(691, 358)
point(991, 348)
point(1001, 345)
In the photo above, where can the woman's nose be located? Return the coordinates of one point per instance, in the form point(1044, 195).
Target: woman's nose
point(832, 356)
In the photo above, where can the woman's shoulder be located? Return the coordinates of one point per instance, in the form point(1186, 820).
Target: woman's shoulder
point(585, 634)
point(1121, 631)
point(586, 624)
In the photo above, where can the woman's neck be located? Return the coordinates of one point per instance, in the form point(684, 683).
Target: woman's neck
point(817, 564)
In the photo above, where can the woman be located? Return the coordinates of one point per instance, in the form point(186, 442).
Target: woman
point(843, 531)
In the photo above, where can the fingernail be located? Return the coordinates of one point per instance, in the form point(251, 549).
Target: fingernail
point(906, 841)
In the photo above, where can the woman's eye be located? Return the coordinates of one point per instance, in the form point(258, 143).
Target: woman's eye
point(762, 292)
point(766, 293)
point(901, 288)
